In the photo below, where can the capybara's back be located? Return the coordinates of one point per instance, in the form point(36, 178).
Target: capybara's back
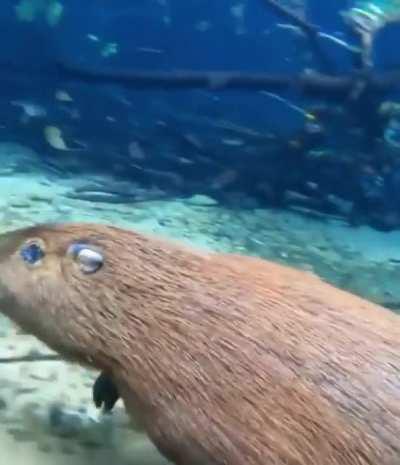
point(262, 364)
point(224, 359)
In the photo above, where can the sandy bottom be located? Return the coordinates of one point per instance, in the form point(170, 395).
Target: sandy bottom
point(28, 436)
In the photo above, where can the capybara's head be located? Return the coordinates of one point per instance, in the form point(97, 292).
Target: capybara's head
point(65, 283)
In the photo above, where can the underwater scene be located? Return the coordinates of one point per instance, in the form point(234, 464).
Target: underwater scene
point(260, 128)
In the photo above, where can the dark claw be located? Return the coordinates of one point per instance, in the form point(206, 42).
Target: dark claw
point(105, 393)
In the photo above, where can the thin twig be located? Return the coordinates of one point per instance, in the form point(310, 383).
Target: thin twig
point(31, 358)
point(310, 30)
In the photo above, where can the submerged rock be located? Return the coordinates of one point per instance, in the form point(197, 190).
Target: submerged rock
point(201, 201)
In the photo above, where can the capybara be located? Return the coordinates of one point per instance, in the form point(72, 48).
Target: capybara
point(224, 359)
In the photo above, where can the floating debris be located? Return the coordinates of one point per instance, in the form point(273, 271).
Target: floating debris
point(135, 151)
point(110, 48)
point(106, 48)
point(30, 110)
point(93, 38)
point(312, 185)
point(319, 153)
point(63, 96)
point(233, 142)
point(149, 50)
point(54, 138)
point(229, 125)
point(194, 140)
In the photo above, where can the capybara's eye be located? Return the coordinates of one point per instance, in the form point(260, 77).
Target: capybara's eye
point(89, 259)
point(32, 253)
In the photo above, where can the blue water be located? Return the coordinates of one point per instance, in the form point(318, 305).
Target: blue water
point(169, 36)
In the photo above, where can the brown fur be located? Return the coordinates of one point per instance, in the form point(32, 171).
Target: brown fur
point(227, 359)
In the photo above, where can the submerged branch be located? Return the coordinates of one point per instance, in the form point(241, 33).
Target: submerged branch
point(310, 30)
point(308, 83)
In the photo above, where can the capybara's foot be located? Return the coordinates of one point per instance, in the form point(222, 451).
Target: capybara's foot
point(104, 392)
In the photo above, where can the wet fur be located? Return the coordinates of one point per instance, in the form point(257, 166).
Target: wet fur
point(226, 359)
